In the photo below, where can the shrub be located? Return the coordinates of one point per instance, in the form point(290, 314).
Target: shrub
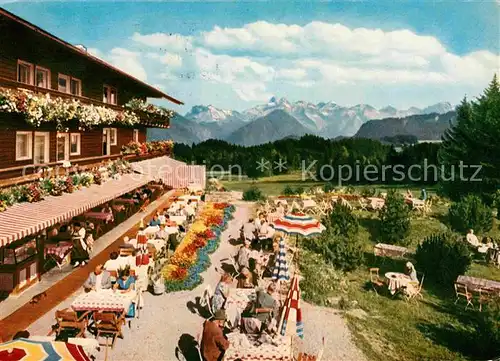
point(470, 213)
point(394, 220)
point(488, 335)
point(299, 190)
point(443, 257)
point(320, 280)
point(339, 251)
point(368, 192)
point(342, 221)
point(288, 191)
point(253, 194)
point(328, 187)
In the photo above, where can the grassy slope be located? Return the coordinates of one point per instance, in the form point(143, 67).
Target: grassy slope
point(432, 329)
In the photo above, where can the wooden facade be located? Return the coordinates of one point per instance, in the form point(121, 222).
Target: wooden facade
point(25, 46)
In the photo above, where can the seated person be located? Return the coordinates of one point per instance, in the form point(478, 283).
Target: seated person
point(265, 312)
point(245, 280)
point(221, 292)
point(155, 221)
point(161, 216)
point(98, 280)
point(411, 271)
point(168, 222)
point(213, 342)
point(162, 233)
point(147, 193)
point(113, 264)
point(249, 230)
point(243, 256)
point(258, 222)
point(189, 211)
point(173, 241)
point(472, 238)
point(125, 284)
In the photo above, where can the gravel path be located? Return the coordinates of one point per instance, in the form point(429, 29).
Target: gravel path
point(166, 321)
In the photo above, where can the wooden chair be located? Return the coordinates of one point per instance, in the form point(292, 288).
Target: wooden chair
point(462, 292)
point(108, 324)
point(68, 319)
point(144, 205)
point(414, 289)
point(362, 204)
point(484, 297)
point(375, 280)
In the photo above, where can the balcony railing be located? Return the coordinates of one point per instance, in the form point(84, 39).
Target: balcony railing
point(56, 93)
point(87, 112)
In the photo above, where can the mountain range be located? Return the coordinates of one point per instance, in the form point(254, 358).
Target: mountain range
point(280, 118)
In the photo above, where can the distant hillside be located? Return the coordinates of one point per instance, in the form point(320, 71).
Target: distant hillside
point(274, 126)
point(181, 130)
point(424, 127)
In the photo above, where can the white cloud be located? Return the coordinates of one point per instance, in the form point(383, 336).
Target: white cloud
point(129, 62)
point(332, 61)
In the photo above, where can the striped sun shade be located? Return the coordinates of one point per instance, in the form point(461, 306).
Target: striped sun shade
point(299, 224)
point(292, 307)
point(24, 219)
point(172, 172)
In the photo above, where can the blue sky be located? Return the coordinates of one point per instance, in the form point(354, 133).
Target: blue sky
point(236, 54)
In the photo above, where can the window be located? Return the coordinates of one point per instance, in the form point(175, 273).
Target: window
point(113, 136)
point(109, 95)
point(135, 137)
point(42, 77)
point(23, 145)
point(24, 72)
point(63, 83)
point(75, 144)
point(76, 87)
point(41, 148)
point(62, 147)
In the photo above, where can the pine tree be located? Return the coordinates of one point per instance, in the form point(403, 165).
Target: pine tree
point(473, 140)
point(394, 220)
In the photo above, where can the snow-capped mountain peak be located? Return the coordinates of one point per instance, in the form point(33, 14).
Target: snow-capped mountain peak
point(209, 114)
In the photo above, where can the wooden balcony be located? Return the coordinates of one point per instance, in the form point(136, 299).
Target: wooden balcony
point(8, 83)
point(147, 120)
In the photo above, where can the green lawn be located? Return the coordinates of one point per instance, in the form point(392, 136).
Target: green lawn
point(392, 329)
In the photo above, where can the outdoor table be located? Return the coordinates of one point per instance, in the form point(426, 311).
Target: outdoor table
point(396, 281)
point(237, 301)
point(385, 250)
point(59, 252)
point(247, 348)
point(475, 284)
point(99, 216)
point(157, 243)
point(125, 201)
point(187, 197)
point(376, 203)
point(118, 207)
point(309, 203)
point(104, 300)
point(151, 230)
point(178, 219)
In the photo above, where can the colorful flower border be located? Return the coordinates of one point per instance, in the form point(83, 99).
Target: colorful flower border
point(191, 258)
point(161, 146)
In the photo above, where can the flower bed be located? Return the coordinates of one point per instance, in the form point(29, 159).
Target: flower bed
point(191, 258)
point(40, 108)
point(163, 147)
point(57, 185)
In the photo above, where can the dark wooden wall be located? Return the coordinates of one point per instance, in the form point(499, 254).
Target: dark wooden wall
point(19, 42)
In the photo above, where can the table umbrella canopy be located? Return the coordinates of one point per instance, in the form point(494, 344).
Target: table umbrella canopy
point(299, 224)
point(29, 350)
point(280, 271)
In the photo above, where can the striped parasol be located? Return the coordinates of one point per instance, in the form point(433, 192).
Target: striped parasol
point(299, 224)
point(29, 350)
point(292, 306)
point(280, 271)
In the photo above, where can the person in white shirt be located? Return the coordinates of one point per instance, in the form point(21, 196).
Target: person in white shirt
point(249, 230)
point(79, 253)
point(112, 264)
point(258, 222)
point(472, 239)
